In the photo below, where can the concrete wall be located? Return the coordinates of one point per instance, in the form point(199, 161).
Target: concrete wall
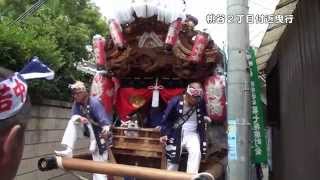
point(43, 135)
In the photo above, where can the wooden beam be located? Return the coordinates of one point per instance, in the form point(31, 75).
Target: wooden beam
point(121, 170)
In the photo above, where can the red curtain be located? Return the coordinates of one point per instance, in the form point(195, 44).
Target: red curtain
point(167, 94)
point(131, 99)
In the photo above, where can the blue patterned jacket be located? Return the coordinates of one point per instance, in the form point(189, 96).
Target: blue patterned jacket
point(173, 111)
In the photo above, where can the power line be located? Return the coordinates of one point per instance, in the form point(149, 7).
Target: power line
point(261, 5)
point(30, 11)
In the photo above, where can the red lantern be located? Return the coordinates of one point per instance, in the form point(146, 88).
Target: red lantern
point(99, 44)
point(199, 47)
point(116, 86)
point(103, 87)
point(116, 34)
point(215, 97)
point(173, 33)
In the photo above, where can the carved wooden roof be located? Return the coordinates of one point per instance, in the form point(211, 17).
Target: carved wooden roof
point(146, 57)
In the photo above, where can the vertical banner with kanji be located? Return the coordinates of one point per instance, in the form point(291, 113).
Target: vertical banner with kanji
point(258, 131)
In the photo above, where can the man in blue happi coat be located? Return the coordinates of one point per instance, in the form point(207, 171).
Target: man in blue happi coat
point(183, 127)
point(88, 113)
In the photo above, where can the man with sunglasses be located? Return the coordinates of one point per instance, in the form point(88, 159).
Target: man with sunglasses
point(183, 127)
point(88, 113)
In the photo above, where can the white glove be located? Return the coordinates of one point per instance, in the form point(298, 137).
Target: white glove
point(207, 118)
point(75, 119)
point(105, 132)
point(124, 123)
point(105, 129)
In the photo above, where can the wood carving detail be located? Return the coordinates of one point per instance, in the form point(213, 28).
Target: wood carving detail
point(145, 55)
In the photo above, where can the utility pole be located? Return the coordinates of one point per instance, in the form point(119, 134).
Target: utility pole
point(238, 94)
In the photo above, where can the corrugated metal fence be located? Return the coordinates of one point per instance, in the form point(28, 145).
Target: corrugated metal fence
point(293, 87)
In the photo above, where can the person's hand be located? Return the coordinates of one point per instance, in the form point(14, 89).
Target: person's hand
point(83, 120)
point(207, 119)
point(124, 123)
point(163, 139)
point(105, 132)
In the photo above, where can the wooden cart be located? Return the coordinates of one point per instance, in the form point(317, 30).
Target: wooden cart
point(138, 146)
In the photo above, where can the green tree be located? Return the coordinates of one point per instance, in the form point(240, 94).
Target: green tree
point(57, 33)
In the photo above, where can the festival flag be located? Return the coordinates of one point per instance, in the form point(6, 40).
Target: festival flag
point(13, 90)
point(258, 129)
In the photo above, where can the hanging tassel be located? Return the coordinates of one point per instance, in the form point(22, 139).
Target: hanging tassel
point(155, 98)
point(155, 94)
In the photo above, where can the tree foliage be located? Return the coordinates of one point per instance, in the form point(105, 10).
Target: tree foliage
point(57, 33)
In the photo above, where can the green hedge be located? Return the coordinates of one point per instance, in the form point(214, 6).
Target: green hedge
point(57, 33)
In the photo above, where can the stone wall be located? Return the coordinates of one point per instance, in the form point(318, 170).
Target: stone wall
point(44, 132)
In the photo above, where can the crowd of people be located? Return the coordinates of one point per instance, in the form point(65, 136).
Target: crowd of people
point(181, 124)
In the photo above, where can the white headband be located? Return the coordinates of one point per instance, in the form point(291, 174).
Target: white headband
point(77, 85)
